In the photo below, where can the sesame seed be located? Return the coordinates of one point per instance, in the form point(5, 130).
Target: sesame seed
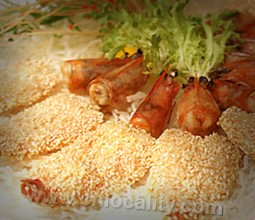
point(47, 126)
point(240, 129)
point(25, 84)
point(185, 175)
point(96, 159)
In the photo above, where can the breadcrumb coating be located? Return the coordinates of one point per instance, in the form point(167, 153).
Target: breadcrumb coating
point(47, 126)
point(122, 153)
point(99, 164)
point(240, 129)
point(189, 169)
point(26, 83)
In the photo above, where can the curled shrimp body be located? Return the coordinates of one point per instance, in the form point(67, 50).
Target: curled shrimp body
point(228, 93)
point(235, 84)
point(240, 71)
point(78, 73)
point(197, 111)
point(248, 47)
point(154, 112)
point(245, 26)
point(112, 89)
point(247, 31)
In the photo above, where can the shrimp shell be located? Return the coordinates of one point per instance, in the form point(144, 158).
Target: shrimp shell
point(154, 112)
point(197, 111)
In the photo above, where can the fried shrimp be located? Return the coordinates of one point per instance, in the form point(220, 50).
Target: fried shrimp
point(154, 112)
point(78, 73)
point(188, 169)
point(197, 111)
point(24, 84)
point(240, 71)
point(112, 89)
point(227, 94)
point(48, 126)
point(240, 129)
point(99, 164)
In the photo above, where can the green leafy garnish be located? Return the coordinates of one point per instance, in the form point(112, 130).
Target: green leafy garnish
point(195, 45)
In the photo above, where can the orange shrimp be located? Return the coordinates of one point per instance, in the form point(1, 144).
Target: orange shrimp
point(154, 112)
point(247, 31)
point(197, 111)
point(227, 94)
point(241, 63)
point(234, 84)
point(248, 36)
point(35, 189)
point(248, 47)
point(241, 20)
point(111, 89)
point(240, 71)
point(78, 73)
point(246, 50)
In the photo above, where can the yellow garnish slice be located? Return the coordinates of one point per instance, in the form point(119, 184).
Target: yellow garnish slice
point(126, 52)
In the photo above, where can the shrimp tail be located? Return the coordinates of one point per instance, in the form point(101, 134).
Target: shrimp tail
point(35, 190)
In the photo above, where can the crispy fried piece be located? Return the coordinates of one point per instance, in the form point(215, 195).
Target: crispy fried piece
point(47, 126)
point(99, 164)
point(67, 177)
point(26, 83)
point(189, 169)
point(240, 129)
point(122, 153)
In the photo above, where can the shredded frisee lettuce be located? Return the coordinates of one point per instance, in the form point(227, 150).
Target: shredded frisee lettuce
point(194, 45)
